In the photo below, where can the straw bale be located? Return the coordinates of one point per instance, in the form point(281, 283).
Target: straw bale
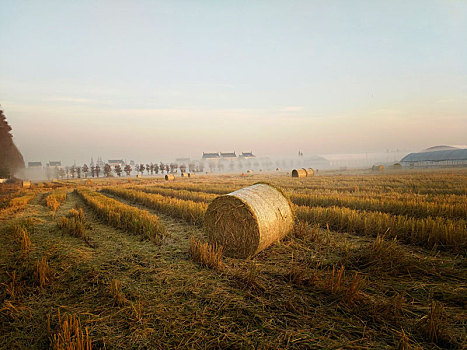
point(26, 184)
point(299, 173)
point(169, 177)
point(191, 174)
point(310, 172)
point(184, 175)
point(249, 220)
point(249, 171)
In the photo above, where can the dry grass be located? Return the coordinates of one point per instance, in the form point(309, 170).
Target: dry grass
point(73, 224)
point(206, 254)
point(116, 292)
point(42, 273)
point(69, 334)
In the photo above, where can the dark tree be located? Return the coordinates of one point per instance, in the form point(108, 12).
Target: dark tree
point(141, 169)
point(128, 169)
point(162, 167)
point(151, 167)
point(148, 168)
point(98, 170)
point(156, 169)
point(93, 170)
point(107, 170)
point(85, 170)
point(78, 171)
point(118, 170)
point(182, 168)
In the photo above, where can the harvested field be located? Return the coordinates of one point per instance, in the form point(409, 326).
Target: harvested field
point(375, 260)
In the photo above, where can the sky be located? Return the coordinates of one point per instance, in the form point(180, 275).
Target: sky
point(159, 80)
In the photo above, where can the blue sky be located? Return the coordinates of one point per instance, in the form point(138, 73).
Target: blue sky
point(153, 80)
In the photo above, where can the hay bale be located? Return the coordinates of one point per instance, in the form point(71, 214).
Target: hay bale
point(169, 177)
point(310, 172)
point(278, 169)
point(377, 168)
point(249, 171)
point(299, 173)
point(249, 220)
point(184, 175)
point(191, 174)
point(139, 176)
point(26, 184)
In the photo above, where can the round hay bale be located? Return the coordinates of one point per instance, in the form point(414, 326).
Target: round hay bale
point(139, 176)
point(26, 184)
point(249, 171)
point(184, 175)
point(278, 169)
point(169, 177)
point(310, 172)
point(299, 173)
point(191, 174)
point(249, 220)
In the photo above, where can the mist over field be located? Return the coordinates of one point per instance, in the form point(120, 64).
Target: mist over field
point(156, 81)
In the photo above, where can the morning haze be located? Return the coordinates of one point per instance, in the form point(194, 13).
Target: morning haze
point(154, 81)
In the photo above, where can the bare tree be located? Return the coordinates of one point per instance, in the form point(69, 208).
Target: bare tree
point(162, 167)
point(148, 168)
point(156, 169)
point(118, 170)
point(93, 170)
point(98, 170)
point(73, 171)
point(127, 169)
point(107, 170)
point(78, 171)
point(182, 168)
point(85, 170)
point(141, 169)
point(151, 167)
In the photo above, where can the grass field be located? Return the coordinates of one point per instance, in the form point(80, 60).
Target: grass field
point(374, 261)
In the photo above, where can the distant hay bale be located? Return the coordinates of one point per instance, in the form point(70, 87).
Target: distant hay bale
point(191, 174)
point(139, 176)
point(278, 169)
point(88, 182)
point(169, 177)
point(377, 168)
point(310, 172)
point(249, 220)
point(26, 184)
point(249, 171)
point(299, 173)
point(184, 175)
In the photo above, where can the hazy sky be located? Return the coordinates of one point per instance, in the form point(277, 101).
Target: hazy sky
point(155, 80)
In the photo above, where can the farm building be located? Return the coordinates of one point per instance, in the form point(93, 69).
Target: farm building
point(228, 156)
point(247, 155)
point(54, 164)
point(434, 157)
point(211, 156)
point(36, 165)
point(114, 162)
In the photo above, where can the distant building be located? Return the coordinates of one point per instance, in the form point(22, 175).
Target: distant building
point(437, 156)
point(229, 156)
point(183, 160)
point(211, 156)
point(36, 165)
point(54, 164)
point(114, 162)
point(247, 155)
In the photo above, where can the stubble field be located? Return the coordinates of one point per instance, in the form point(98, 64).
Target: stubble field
point(376, 260)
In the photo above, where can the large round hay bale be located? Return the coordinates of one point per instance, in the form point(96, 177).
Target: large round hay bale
point(191, 174)
point(299, 173)
point(184, 175)
point(26, 184)
point(310, 172)
point(249, 220)
point(249, 171)
point(169, 177)
point(278, 169)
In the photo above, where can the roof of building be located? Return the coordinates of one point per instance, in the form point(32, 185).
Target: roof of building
point(55, 163)
point(34, 164)
point(116, 161)
point(229, 155)
point(210, 155)
point(439, 148)
point(436, 156)
point(247, 154)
